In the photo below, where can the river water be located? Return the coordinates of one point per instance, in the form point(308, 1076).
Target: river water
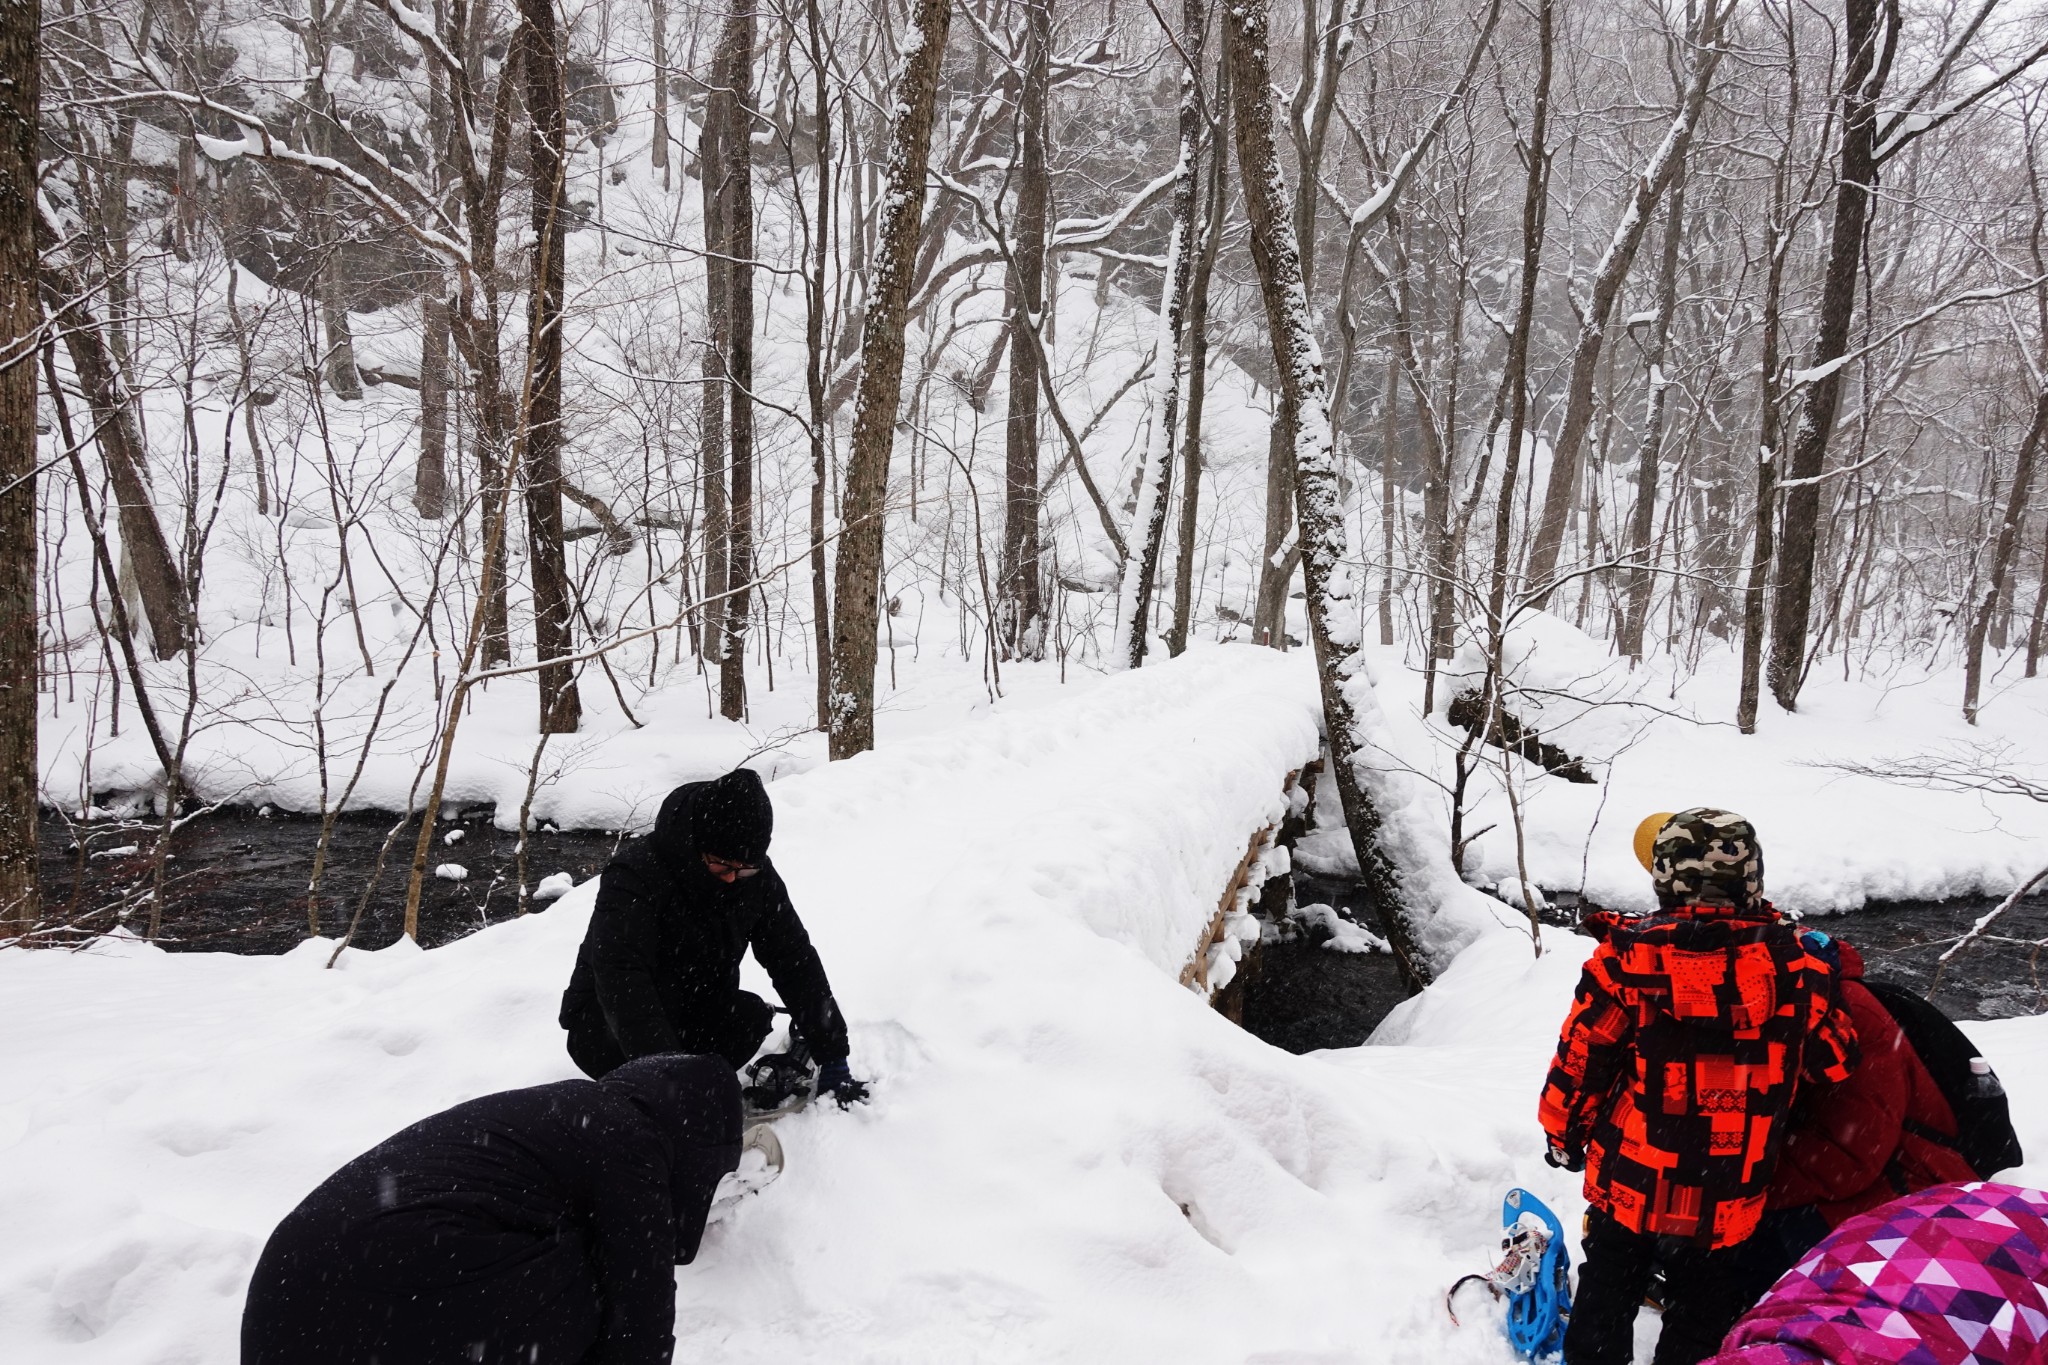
point(1304, 997)
point(237, 883)
point(237, 878)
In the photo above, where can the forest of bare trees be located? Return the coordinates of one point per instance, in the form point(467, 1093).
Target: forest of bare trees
point(361, 362)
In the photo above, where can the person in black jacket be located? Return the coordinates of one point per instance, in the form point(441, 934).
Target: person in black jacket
point(659, 969)
point(537, 1226)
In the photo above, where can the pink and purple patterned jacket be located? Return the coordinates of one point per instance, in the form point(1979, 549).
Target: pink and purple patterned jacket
point(1953, 1275)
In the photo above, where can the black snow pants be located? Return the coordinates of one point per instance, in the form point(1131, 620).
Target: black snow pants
point(735, 1037)
point(1704, 1293)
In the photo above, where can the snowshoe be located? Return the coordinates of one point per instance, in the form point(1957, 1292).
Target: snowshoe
point(761, 1162)
point(779, 1083)
point(1534, 1276)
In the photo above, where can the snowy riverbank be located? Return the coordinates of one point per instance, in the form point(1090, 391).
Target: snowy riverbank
point(1069, 1158)
point(1081, 1166)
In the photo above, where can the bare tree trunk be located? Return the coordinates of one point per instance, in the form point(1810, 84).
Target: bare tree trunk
point(858, 574)
point(1763, 548)
point(657, 21)
point(1198, 372)
point(1535, 217)
point(338, 360)
point(2040, 612)
point(1390, 432)
point(1665, 163)
point(1315, 476)
point(1021, 609)
point(1277, 564)
point(1642, 520)
point(814, 335)
point(2004, 551)
point(713, 403)
point(156, 577)
point(20, 320)
point(561, 707)
point(1148, 523)
point(733, 87)
point(430, 475)
point(1868, 57)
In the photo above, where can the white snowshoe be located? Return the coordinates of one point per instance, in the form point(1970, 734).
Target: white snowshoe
point(761, 1162)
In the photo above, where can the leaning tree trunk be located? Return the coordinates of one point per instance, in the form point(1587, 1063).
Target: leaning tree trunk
point(1020, 609)
point(157, 580)
point(561, 708)
point(20, 319)
point(2002, 555)
point(733, 87)
point(1148, 526)
point(1664, 165)
point(1306, 403)
point(858, 575)
point(1862, 84)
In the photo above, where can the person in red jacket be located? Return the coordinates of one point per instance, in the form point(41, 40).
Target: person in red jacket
point(1687, 1040)
point(1884, 1132)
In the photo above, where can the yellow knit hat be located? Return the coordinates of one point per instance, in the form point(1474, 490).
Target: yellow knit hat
point(1646, 837)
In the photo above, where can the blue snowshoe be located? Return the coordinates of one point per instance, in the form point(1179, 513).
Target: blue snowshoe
point(1534, 1276)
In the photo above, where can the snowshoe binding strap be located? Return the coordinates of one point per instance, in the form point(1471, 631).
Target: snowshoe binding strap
point(779, 1082)
point(1521, 1261)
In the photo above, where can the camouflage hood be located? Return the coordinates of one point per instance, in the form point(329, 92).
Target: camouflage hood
point(1711, 857)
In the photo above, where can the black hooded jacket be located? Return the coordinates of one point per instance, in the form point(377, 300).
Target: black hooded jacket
point(661, 959)
point(536, 1226)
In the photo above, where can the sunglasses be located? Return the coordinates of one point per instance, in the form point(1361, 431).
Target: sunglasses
point(720, 867)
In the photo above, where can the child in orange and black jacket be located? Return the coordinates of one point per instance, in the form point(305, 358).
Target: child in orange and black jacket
point(1691, 1031)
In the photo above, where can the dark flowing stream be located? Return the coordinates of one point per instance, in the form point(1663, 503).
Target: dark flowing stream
point(1304, 996)
point(236, 882)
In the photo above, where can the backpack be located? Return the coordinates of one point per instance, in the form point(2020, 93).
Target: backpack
point(1984, 1132)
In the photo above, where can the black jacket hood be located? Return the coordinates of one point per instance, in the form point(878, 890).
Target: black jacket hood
point(729, 817)
point(694, 1104)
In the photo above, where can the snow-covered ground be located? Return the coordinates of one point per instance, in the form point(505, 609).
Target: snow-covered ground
point(1069, 1156)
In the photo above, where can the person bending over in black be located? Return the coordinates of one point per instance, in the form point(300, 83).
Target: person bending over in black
point(530, 1227)
point(659, 969)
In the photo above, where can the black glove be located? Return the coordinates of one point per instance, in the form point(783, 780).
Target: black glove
point(836, 1079)
point(1565, 1159)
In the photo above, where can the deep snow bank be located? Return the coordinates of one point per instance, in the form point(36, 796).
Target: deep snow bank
point(1069, 1158)
point(1660, 737)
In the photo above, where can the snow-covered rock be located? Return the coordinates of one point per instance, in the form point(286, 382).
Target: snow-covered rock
point(554, 886)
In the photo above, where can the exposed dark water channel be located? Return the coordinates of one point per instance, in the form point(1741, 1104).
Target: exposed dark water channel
point(236, 881)
point(1302, 996)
